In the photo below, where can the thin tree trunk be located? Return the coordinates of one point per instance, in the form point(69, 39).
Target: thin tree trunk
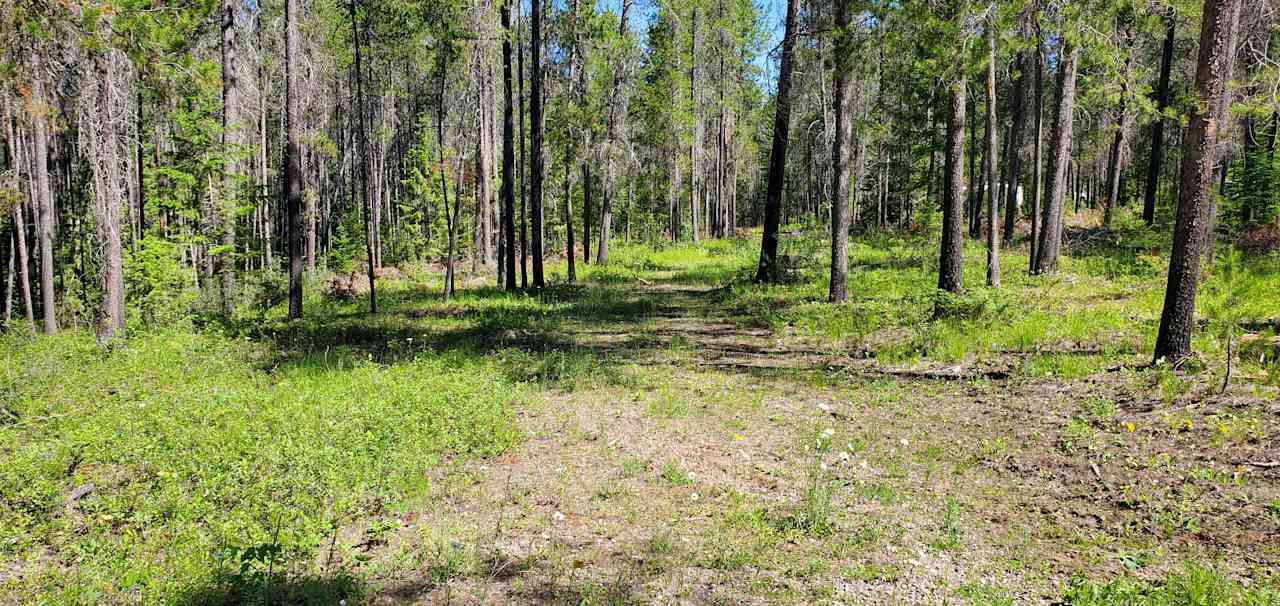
point(1190, 233)
point(993, 146)
point(1037, 174)
point(535, 126)
point(451, 217)
point(1013, 159)
point(587, 183)
point(293, 156)
point(19, 250)
point(508, 156)
point(696, 143)
point(1114, 158)
point(231, 163)
point(839, 291)
point(372, 242)
point(770, 269)
point(1157, 125)
point(570, 253)
point(524, 210)
point(44, 205)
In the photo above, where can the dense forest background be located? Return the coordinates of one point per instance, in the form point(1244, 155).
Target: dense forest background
point(147, 165)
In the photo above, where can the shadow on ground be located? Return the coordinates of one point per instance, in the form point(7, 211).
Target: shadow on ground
point(307, 590)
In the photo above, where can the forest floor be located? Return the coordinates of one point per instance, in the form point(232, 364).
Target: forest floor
point(663, 433)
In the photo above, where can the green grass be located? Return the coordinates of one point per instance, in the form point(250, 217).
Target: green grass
point(210, 472)
point(216, 462)
point(1192, 585)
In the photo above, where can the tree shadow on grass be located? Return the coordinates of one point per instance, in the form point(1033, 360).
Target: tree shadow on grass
point(474, 325)
point(277, 590)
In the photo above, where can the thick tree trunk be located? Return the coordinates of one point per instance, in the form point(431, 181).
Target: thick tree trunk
point(839, 291)
point(992, 154)
point(951, 260)
point(1157, 126)
point(770, 267)
point(1192, 225)
point(1060, 157)
point(508, 156)
point(535, 126)
point(292, 187)
point(108, 196)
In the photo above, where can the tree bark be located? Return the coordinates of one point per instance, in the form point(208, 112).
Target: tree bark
point(535, 126)
point(696, 143)
point(569, 251)
point(44, 201)
point(951, 261)
point(508, 156)
point(373, 247)
point(839, 290)
point(1060, 150)
point(1037, 175)
point(992, 154)
point(230, 158)
point(1191, 228)
point(19, 251)
point(292, 186)
point(586, 209)
point(524, 209)
point(108, 196)
point(1115, 157)
point(1013, 159)
point(1157, 125)
point(770, 269)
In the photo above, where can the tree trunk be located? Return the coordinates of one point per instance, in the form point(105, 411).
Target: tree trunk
point(524, 210)
point(770, 269)
point(1013, 159)
point(535, 126)
point(293, 155)
point(1157, 126)
point(44, 204)
point(1114, 158)
point(1190, 233)
point(586, 212)
point(19, 251)
point(696, 143)
point(570, 253)
point(993, 199)
point(951, 261)
point(1037, 175)
point(231, 163)
point(371, 223)
point(839, 291)
point(108, 196)
point(1060, 150)
point(508, 156)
